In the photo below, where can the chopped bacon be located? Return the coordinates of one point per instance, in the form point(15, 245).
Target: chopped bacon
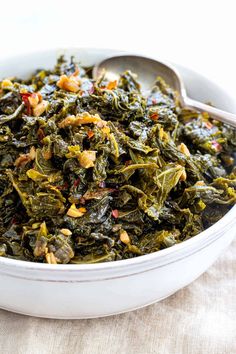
point(74, 212)
point(23, 159)
point(69, 83)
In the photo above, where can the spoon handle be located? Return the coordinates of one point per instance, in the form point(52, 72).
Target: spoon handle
point(215, 113)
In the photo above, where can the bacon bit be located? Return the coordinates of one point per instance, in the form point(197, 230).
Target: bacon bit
point(33, 100)
point(50, 258)
point(70, 83)
point(228, 160)
point(102, 124)
point(90, 134)
point(200, 183)
point(76, 182)
point(47, 154)
point(111, 85)
point(216, 145)
point(106, 130)
point(23, 159)
point(40, 134)
point(6, 83)
point(79, 119)
point(76, 213)
point(163, 134)
point(183, 148)
point(82, 210)
point(124, 237)
point(40, 97)
point(66, 232)
point(115, 213)
point(40, 108)
point(32, 153)
point(98, 194)
point(208, 125)
point(25, 99)
point(183, 176)
point(154, 116)
point(87, 158)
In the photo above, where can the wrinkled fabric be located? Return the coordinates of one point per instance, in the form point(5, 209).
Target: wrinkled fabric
point(200, 319)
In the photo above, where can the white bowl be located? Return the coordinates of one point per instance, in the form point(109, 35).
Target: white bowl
point(94, 290)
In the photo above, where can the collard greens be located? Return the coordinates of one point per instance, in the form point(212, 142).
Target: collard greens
point(96, 171)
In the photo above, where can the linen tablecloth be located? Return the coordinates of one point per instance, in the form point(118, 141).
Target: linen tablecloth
point(199, 319)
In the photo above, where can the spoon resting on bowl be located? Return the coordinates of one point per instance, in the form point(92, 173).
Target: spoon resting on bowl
point(147, 70)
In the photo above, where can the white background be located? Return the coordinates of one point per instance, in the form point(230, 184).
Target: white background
point(200, 34)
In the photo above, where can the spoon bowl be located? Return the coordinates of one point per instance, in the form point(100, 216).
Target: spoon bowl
point(147, 70)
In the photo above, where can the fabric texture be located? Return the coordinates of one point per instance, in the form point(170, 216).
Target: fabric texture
point(198, 319)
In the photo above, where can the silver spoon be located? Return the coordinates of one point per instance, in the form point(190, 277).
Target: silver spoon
point(147, 70)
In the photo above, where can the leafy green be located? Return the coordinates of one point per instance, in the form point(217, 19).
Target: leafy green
point(95, 171)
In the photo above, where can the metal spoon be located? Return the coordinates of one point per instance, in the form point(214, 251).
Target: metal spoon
point(147, 70)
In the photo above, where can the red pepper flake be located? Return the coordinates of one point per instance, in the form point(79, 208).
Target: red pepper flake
point(154, 116)
point(115, 213)
point(13, 220)
point(25, 99)
point(216, 145)
point(90, 134)
point(76, 182)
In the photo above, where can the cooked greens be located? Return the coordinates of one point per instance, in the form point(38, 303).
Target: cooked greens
point(94, 171)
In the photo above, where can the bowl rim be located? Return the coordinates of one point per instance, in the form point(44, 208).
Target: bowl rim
point(163, 257)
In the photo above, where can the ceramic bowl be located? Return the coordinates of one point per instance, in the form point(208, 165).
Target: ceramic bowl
point(94, 290)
